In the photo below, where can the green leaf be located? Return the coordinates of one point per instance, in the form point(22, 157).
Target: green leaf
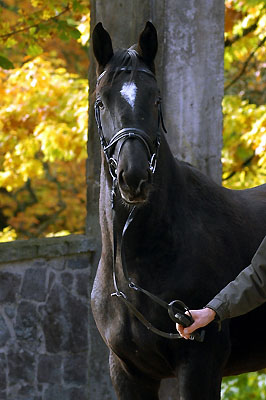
point(71, 22)
point(33, 30)
point(34, 50)
point(62, 25)
point(243, 153)
point(76, 5)
point(6, 63)
point(64, 36)
point(75, 34)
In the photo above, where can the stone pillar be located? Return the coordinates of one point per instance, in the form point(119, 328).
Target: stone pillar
point(189, 69)
point(193, 76)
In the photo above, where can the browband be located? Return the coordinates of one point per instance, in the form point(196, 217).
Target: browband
point(127, 69)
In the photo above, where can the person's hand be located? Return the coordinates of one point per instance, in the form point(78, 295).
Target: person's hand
point(201, 318)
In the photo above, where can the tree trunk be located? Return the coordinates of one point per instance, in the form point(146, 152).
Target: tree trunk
point(189, 69)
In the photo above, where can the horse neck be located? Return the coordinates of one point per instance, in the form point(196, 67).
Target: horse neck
point(166, 177)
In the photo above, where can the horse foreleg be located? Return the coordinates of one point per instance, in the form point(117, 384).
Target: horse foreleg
point(199, 374)
point(199, 369)
point(196, 385)
point(130, 383)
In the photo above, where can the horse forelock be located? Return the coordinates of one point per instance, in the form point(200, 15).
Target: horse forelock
point(121, 58)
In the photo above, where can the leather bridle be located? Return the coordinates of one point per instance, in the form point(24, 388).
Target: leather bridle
point(129, 133)
point(175, 307)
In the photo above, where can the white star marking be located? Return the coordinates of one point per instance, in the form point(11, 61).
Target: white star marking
point(128, 92)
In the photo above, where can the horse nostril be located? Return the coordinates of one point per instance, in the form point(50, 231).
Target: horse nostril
point(142, 184)
point(133, 183)
point(122, 180)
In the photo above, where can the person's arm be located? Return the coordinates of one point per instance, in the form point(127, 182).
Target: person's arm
point(240, 296)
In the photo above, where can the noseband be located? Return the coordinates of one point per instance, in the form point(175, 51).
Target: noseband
point(176, 309)
point(129, 133)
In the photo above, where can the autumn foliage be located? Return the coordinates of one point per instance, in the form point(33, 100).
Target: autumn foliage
point(44, 101)
point(43, 118)
point(244, 153)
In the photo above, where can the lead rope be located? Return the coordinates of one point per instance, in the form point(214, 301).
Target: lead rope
point(171, 307)
point(132, 285)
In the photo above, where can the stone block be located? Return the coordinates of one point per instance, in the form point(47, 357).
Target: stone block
point(57, 392)
point(57, 263)
point(9, 286)
point(46, 247)
point(81, 244)
point(49, 369)
point(65, 322)
point(3, 366)
point(19, 250)
point(26, 321)
point(53, 249)
point(77, 394)
point(4, 332)
point(21, 367)
point(10, 310)
point(76, 369)
point(3, 395)
point(81, 261)
point(33, 287)
point(82, 284)
point(67, 280)
point(52, 277)
point(38, 263)
point(26, 393)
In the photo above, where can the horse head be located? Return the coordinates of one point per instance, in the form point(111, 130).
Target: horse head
point(128, 112)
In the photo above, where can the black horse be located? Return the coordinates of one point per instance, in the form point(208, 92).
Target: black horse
point(170, 230)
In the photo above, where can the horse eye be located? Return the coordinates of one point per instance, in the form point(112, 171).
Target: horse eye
point(100, 104)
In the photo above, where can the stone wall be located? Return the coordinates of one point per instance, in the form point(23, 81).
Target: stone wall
point(44, 318)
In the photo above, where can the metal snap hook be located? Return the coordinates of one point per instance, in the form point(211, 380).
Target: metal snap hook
point(119, 294)
point(132, 285)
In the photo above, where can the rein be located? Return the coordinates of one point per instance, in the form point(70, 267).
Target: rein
point(176, 309)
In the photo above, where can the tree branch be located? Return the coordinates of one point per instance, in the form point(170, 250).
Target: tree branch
point(33, 198)
point(52, 178)
point(244, 164)
point(235, 38)
point(26, 28)
point(238, 76)
point(61, 203)
point(4, 191)
point(8, 7)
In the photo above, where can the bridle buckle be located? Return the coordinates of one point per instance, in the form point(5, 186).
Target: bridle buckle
point(153, 163)
point(112, 167)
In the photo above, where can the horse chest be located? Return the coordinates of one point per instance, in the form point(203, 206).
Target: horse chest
point(133, 343)
point(113, 318)
point(124, 334)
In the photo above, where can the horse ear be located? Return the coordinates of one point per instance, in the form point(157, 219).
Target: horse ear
point(102, 45)
point(148, 44)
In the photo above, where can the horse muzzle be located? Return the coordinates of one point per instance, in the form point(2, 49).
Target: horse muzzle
point(134, 186)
